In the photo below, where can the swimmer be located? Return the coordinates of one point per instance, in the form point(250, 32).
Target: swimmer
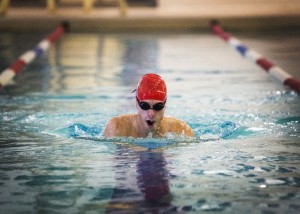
point(151, 99)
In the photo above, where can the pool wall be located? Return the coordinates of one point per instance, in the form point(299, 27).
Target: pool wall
point(174, 15)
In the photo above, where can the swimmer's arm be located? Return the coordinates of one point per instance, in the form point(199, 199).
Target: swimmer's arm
point(180, 127)
point(184, 129)
point(112, 128)
point(187, 130)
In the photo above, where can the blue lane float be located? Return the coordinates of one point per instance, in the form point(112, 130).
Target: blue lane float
point(278, 73)
point(17, 66)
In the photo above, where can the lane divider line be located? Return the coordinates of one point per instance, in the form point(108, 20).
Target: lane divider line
point(278, 73)
point(18, 65)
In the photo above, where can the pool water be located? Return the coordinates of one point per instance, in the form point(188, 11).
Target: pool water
point(244, 158)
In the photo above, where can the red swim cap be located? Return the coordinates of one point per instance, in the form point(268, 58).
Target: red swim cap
point(151, 87)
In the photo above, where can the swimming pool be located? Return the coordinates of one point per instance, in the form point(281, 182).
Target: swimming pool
point(244, 158)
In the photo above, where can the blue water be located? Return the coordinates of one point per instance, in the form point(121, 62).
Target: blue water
point(53, 159)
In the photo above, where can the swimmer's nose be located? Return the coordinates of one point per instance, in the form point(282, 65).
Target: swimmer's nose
point(151, 113)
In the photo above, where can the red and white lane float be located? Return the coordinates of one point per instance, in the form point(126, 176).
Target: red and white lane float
point(17, 66)
point(277, 72)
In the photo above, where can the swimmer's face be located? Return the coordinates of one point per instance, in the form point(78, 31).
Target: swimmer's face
point(151, 117)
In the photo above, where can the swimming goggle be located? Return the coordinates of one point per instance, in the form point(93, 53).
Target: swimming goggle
point(146, 106)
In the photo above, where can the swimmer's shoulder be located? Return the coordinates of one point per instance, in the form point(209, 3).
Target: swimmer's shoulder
point(118, 125)
point(179, 126)
point(173, 120)
point(121, 119)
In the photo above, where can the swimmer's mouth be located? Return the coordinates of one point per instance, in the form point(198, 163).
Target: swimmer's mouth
point(150, 122)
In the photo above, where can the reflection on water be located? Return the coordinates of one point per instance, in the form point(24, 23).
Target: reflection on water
point(142, 187)
point(153, 178)
point(88, 61)
point(53, 159)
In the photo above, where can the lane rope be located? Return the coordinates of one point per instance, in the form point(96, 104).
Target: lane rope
point(26, 58)
point(278, 73)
